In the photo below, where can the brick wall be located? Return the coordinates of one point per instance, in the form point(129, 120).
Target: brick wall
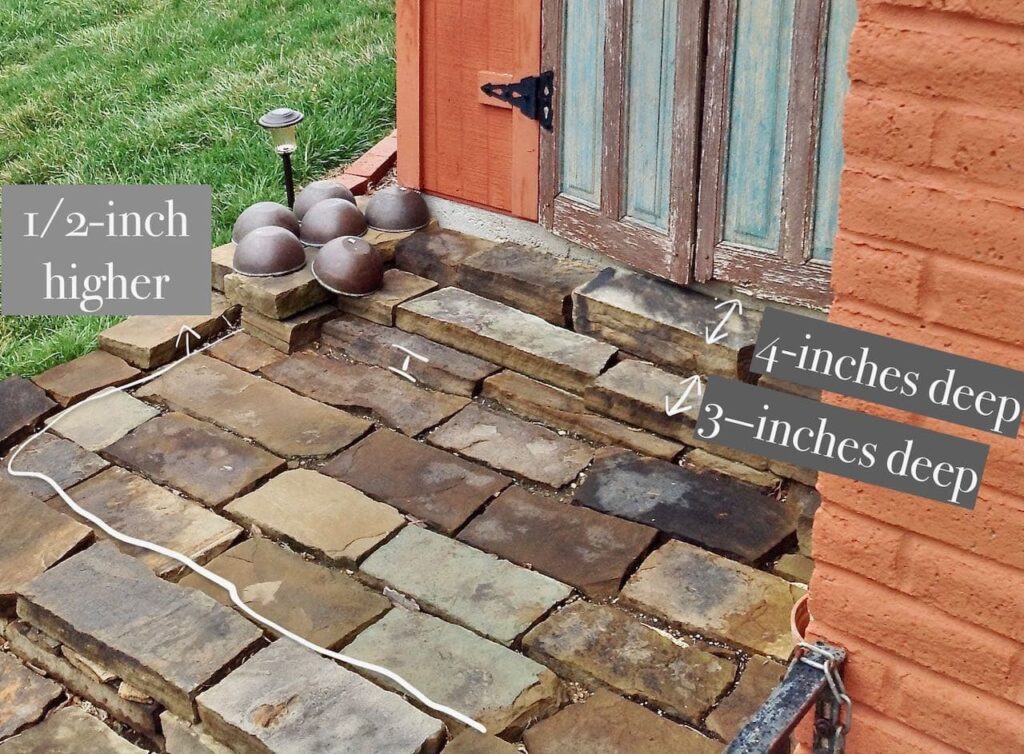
point(928, 598)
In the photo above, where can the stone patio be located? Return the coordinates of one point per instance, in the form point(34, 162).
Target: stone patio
point(512, 522)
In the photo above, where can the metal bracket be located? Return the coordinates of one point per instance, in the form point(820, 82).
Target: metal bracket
point(532, 96)
point(813, 679)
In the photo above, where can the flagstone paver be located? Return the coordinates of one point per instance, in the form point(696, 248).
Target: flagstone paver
point(436, 253)
point(471, 742)
point(100, 422)
point(222, 259)
point(150, 341)
point(712, 510)
point(26, 695)
point(506, 336)
point(398, 287)
point(70, 382)
point(182, 737)
point(703, 592)
point(511, 444)
point(635, 392)
point(276, 418)
point(245, 352)
point(288, 700)
point(22, 406)
point(288, 335)
point(63, 461)
point(705, 461)
point(102, 604)
point(422, 481)
point(70, 730)
point(395, 400)
point(803, 502)
point(601, 646)
point(446, 369)
point(460, 583)
point(760, 677)
point(564, 410)
point(661, 321)
point(577, 546)
point(277, 297)
point(34, 538)
point(41, 651)
point(794, 567)
point(530, 280)
point(137, 507)
point(318, 514)
point(320, 604)
point(201, 460)
point(499, 688)
point(608, 724)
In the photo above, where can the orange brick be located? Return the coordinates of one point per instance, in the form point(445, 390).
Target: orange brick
point(945, 220)
point(863, 545)
point(357, 184)
point(988, 150)
point(887, 128)
point(923, 634)
point(957, 715)
point(971, 297)
point(1001, 11)
point(873, 270)
point(962, 66)
point(874, 733)
point(964, 585)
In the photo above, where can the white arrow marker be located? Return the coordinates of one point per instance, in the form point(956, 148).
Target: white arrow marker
point(404, 371)
point(688, 387)
point(717, 334)
point(186, 331)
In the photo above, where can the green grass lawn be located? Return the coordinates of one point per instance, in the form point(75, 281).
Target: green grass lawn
point(168, 91)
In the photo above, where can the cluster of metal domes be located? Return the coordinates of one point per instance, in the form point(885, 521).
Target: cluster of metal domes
point(270, 238)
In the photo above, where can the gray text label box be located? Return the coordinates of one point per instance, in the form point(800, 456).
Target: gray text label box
point(106, 250)
point(866, 448)
point(922, 380)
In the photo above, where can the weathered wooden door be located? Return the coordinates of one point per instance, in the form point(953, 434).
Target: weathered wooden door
point(619, 171)
point(454, 140)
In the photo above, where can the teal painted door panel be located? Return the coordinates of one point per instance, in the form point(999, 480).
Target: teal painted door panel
point(582, 88)
point(757, 105)
point(650, 83)
point(842, 17)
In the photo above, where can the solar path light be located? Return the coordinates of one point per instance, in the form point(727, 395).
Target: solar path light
point(281, 123)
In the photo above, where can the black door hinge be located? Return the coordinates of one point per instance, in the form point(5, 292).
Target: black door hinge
point(532, 96)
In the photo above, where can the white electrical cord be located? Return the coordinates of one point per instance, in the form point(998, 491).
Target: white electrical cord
point(220, 581)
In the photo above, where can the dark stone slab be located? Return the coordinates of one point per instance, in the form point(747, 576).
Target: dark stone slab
point(41, 651)
point(70, 382)
point(708, 509)
point(22, 406)
point(288, 700)
point(201, 460)
point(421, 480)
point(506, 336)
point(62, 460)
point(663, 322)
point(35, 537)
point(139, 508)
point(511, 444)
point(70, 730)
point(435, 253)
point(281, 421)
point(323, 605)
point(164, 639)
point(586, 549)
point(26, 695)
point(288, 335)
point(803, 502)
point(608, 724)
point(398, 402)
point(603, 647)
point(447, 370)
point(245, 352)
point(526, 279)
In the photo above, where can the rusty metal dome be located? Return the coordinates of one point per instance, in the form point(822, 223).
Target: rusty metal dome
point(317, 191)
point(269, 251)
point(262, 214)
point(330, 219)
point(349, 266)
point(397, 208)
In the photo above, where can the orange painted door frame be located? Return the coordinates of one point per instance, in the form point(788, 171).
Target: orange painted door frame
point(453, 140)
